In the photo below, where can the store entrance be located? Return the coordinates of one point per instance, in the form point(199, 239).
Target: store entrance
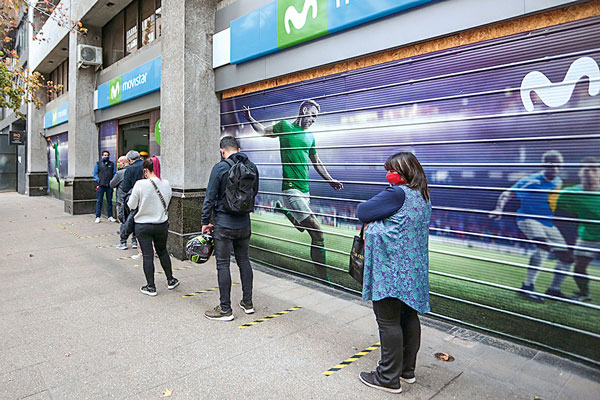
point(133, 135)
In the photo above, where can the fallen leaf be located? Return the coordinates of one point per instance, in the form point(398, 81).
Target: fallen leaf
point(444, 357)
point(67, 354)
point(31, 255)
point(167, 393)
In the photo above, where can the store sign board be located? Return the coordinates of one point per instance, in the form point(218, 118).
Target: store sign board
point(132, 84)
point(16, 137)
point(57, 116)
point(284, 23)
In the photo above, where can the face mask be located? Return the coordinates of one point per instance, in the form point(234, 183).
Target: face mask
point(394, 179)
point(104, 158)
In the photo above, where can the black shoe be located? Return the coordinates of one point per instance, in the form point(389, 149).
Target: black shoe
point(247, 307)
point(556, 293)
point(149, 290)
point(218, 314)
point(527, 292)
point(368, 378)
point(408, 377)
point(172, 284)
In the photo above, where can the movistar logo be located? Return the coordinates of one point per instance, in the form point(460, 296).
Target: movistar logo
point(135, 82)
point(298, 19)
point(559, 94)
point(114, 95)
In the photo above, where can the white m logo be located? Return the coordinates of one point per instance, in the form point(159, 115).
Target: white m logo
point(115, 90)
point(558, 94)
point(299, 19)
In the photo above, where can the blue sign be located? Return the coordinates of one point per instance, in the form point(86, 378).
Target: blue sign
point(132, 84)
point(57, 116)
point(284, 23)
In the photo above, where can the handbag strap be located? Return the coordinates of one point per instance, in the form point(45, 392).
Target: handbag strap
point(162, 199)
point(362, 231)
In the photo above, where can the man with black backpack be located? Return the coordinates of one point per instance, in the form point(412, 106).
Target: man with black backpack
point(232, 187)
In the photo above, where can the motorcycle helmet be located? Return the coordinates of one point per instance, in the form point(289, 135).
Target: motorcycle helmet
point(199, 248)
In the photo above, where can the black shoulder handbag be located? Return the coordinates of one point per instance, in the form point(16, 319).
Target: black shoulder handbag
point(356, 268)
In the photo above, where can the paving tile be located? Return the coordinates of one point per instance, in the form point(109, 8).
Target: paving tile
point(21, 383)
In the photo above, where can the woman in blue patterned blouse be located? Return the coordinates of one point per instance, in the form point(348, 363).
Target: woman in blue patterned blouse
point(396, 276)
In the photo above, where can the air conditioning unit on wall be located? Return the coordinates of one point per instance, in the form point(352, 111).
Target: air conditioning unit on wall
point(89, 55)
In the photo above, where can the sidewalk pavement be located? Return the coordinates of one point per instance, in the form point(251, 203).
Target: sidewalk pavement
point(75, 326)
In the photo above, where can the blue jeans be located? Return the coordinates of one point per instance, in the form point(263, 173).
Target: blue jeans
point(100, 197)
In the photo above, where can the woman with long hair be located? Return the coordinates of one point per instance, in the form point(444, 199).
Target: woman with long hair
point(396, 275)
point(151, 197)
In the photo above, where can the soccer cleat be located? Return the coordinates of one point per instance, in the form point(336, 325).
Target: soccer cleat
point(149, 290)
point(173, 283)
point(582, 297)
point(122, 246)
point(218, 314)
point(368, 378)
point(97, 220)
point(527, 292)
point(111, 219)
point(556, 293)
point(282, 210)
point(247, 307)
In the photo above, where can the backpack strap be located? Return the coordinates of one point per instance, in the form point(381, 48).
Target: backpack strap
point(231, 163)
point(162, 199)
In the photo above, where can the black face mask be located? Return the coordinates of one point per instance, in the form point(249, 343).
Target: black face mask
point(105, 159)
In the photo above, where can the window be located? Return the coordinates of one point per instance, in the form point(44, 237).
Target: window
point(136, 26)
point(21, 40)
point(60, 76)
point(131, 27)
point(113, 43)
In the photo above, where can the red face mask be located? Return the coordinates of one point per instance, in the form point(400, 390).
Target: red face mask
point(394, 178)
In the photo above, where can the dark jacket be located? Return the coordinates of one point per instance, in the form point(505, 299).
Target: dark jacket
point(103, 172)
point(382, 205)
point(215, 193)
point(133, 173)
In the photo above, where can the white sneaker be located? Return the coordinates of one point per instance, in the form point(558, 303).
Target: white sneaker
point(111, 219)
point(97, 220)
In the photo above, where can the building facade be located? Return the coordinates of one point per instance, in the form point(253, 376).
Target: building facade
point(480, 90)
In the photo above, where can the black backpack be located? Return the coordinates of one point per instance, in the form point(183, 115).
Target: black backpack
point(239, 188)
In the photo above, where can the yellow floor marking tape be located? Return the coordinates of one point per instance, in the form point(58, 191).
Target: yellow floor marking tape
point(98, 236)
point(350, 360)
point(212, 289)
point(72, 233)
point(279, 314)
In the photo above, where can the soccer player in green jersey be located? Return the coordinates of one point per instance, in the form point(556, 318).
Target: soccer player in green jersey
point(583, 200)
point(56, 163)
point(297, 150)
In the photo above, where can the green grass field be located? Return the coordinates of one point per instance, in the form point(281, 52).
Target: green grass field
point(571, 315)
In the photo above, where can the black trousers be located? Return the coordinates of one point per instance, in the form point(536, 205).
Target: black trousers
point(154, 233)
point(400, 335)
point(226, 241)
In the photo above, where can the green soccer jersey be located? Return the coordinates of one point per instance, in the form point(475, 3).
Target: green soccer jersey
point(585, 206)
point(295, 147)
